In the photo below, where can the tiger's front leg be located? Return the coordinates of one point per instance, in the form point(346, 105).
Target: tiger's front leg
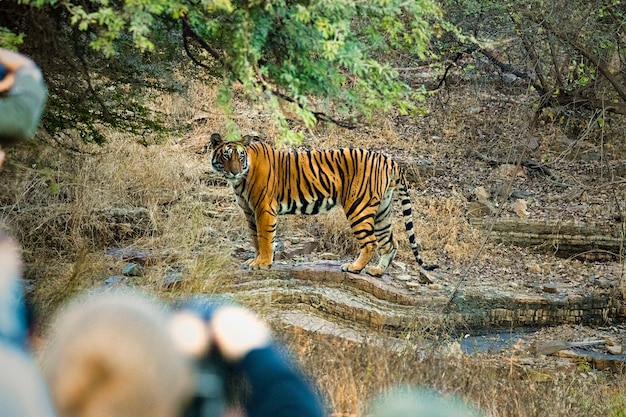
point(251, 227)
point(253, 236)
point(264, 247)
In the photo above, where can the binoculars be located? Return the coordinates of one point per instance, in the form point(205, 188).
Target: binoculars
point(214, 377)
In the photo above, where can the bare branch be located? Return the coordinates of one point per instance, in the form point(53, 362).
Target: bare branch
point(452, 64)
point(619, 88)
point(188, 32)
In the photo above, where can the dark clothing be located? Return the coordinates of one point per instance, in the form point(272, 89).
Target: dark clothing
point(278, 388)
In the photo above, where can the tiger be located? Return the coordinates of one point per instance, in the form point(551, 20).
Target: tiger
point(270, 182)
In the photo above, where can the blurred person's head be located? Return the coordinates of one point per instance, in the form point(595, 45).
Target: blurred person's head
point(408, 401)
point(110, 355)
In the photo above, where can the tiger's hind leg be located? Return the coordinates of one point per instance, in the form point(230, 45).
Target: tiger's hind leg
point(387, 245)
point(362, 225)
point(367, 251)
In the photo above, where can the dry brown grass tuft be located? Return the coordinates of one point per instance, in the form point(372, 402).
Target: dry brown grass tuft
point(444, 228)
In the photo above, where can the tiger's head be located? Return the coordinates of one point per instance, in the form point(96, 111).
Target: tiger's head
point(230, 159)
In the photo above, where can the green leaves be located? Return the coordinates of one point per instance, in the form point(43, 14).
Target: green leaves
point(10, 40)
point(316, 54)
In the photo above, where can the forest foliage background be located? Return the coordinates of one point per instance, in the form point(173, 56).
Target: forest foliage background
point(130, 71)
point(325, 61)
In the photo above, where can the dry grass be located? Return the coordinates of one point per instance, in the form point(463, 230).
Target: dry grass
point(498, 389)
point(56, 194)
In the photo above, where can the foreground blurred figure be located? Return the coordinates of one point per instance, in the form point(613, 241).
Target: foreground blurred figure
point(121, 354)
point(22, 391)
point(110, 355)
point(406, 401)
point(238, 345)
point(13, 327)
point(23, 96)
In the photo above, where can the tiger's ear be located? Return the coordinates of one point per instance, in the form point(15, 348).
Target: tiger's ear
point(216, 140)
point(248, 139)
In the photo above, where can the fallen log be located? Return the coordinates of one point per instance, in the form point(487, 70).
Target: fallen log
point(563, 238)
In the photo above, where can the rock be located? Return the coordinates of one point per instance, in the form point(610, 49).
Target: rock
point(549, 287)
point(506, 171)
point(614, 349)
point(290, 250)
point(519, 194)
point(481, 194)
point(172, 279)
point(534, 267)
point(424, 277)
point(591, 156)
point(113, 281)
point(400, 265)
point(566, 353)
point(532, 143)
point(574, 194)
point(404, 277)
point(132, 270)
point(520, 207)
point(479, 209)
point(502, 189)
point(553, 346)
point(139, 256)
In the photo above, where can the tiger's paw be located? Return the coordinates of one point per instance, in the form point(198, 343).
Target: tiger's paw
point(374, 271)
point(350, 268)
point(256, 263)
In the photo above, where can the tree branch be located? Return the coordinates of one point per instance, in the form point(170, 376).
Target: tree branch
point(188, 32)
point(469, 50)
point(591, 57)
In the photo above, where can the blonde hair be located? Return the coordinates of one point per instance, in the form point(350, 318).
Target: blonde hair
point(111, 356)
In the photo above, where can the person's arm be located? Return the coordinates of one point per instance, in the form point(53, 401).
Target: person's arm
point(278, 388)
point(22, 97)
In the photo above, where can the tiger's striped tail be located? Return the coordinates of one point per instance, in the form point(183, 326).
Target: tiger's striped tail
point(407, 214)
